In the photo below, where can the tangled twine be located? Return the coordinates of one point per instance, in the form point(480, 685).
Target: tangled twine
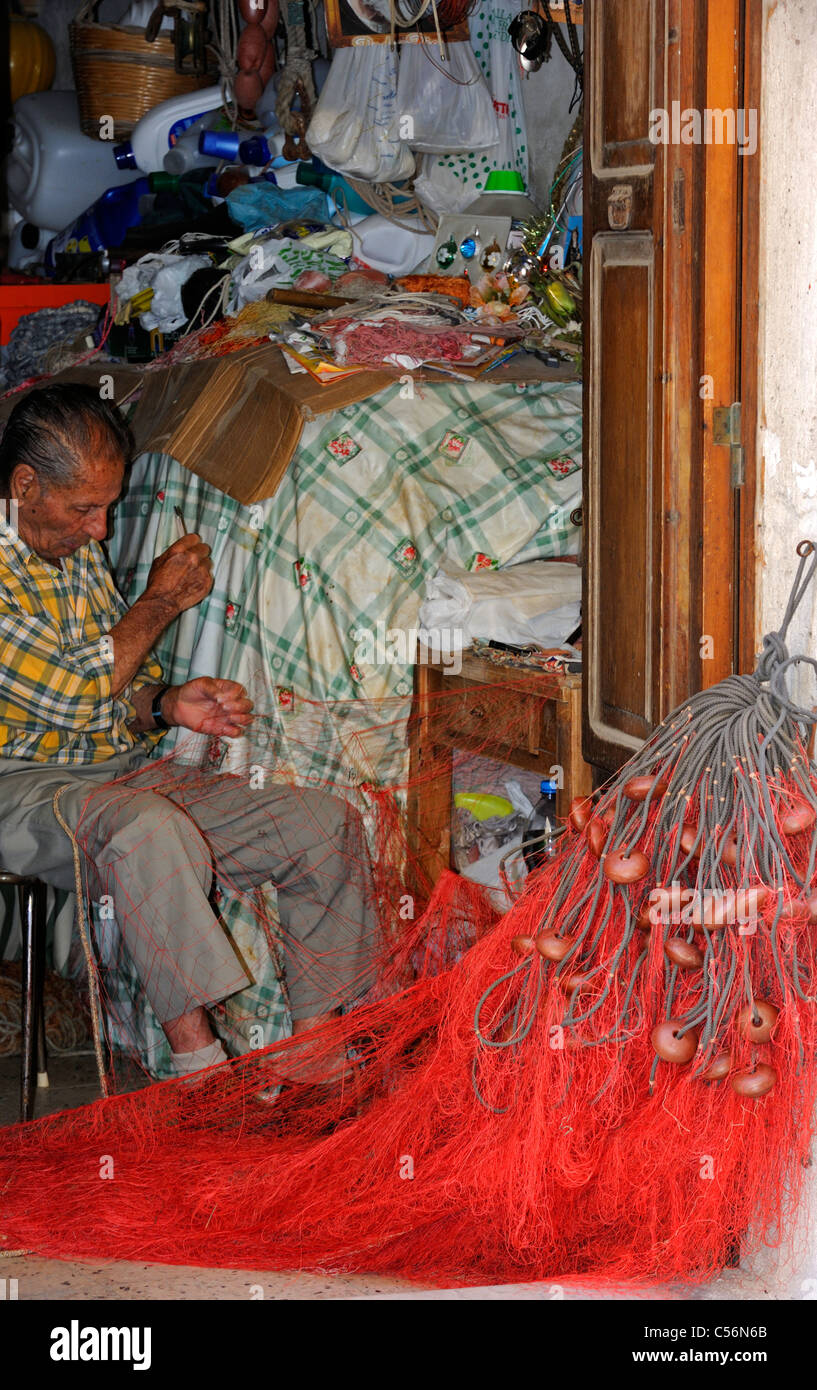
point(713, 812)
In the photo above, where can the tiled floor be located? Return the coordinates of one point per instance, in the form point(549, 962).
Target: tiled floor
point(74, 1082)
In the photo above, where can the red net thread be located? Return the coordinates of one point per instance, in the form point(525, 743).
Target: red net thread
point(502, 1115)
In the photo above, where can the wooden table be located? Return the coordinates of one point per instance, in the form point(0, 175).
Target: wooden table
point(541, 712)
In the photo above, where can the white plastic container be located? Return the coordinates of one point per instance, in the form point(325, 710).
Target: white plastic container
point(27, 245)
point(54, 172)
point(185, 153)
point(285, 174)
point(153, 135)
point(385, 246)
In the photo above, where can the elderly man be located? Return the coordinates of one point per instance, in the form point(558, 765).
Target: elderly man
point(81, 703)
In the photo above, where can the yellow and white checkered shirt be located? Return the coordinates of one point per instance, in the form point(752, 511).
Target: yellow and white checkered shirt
point(56, 700)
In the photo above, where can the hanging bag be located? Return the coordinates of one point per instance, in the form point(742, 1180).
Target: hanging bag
point(445, 108)
point(355, 127)
point(449, 183)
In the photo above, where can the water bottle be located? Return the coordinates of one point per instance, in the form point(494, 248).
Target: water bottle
point(319, 176)
point(186, 154)
point(538, 843)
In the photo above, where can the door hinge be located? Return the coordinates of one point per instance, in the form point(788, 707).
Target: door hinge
point(726, 429)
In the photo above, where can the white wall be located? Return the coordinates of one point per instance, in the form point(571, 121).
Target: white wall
point(787, 432)
point(787, 443)
point(546, 96)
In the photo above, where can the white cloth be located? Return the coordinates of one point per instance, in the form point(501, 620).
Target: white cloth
point(535, 602)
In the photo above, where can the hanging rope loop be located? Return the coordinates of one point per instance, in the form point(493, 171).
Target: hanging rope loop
point(775, 652)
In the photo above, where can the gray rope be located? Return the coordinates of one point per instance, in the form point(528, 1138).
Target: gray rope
point(734, 757)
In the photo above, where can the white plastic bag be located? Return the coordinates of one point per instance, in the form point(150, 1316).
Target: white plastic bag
point(450, 183)
point(355, 126)
point(538, 601)
point(164, 273)
point(445, 107)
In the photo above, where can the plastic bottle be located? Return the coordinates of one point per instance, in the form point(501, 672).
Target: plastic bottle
point(185, 154)
point(335, 185)
point(161, 126)
point(27, 245)
point(162, 182)
point(261, 149)
point(282, 173)
point(220, 144)
point(538, 835)
point(102, 225)
point(53, 171)
point(190, 147)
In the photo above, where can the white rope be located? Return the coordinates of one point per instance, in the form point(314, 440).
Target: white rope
point(82, 922)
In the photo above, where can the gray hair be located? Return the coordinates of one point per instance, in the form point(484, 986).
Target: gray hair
point(54, 428)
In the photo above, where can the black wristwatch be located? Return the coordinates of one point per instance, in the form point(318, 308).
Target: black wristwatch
point(156, 708)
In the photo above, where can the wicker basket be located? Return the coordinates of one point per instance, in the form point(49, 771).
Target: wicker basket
point(119, 74)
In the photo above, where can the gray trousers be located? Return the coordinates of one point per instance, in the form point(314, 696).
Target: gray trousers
point(152, 840)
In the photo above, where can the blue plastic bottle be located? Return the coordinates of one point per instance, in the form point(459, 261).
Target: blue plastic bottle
point(220, 144)
point(102, 225)
point(537, 837)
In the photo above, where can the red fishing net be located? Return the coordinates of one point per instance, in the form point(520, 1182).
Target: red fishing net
point(614, 1078)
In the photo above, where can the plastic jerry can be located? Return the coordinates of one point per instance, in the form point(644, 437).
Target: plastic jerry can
point(54, 172)
point(161, 126)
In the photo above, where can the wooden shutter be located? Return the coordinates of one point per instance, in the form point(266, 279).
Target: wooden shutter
point(662, 274)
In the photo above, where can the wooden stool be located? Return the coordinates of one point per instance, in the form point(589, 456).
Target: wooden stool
point(31, 893)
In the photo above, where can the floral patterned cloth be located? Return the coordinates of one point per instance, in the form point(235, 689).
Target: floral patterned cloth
point(377, 497)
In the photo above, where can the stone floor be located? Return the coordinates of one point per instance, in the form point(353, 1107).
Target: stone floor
point(74, 1082)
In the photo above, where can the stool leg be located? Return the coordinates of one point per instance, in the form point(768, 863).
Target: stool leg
point(29, 999)
point(40, 929)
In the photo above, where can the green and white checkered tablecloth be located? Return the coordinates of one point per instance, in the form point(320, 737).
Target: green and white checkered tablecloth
point(377, 497)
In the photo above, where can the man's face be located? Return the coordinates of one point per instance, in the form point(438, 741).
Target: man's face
point(56, 521)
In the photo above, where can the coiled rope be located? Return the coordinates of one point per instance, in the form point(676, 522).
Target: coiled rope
point(733, 758)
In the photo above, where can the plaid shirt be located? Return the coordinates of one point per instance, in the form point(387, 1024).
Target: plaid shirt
point(56, 700)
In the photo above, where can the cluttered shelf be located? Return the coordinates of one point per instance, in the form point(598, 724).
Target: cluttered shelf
point(354, 240)
point(350, 358)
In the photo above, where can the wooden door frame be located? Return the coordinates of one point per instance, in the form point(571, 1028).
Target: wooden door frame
point(751, 88)
point(732, 350)
point(706, 577)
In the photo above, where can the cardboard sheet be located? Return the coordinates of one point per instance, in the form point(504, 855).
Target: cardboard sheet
point(236, 420)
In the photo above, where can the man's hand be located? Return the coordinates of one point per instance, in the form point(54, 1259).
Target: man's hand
point(208, 706)
point(181, 576)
